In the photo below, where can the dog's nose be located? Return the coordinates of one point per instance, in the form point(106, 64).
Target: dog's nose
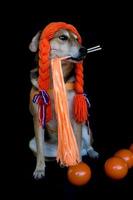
point(83, 51)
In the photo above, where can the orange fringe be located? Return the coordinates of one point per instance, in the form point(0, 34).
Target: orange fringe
point(67, 152)
point(80, 108)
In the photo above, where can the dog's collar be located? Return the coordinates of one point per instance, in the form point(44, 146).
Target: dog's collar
point(68, 85)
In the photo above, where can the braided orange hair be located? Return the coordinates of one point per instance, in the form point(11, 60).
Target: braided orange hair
point(80, 104)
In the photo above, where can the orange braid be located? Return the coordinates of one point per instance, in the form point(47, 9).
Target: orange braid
point(79, 83)
point(44, 65)
point(44, 75)
point(80, 104)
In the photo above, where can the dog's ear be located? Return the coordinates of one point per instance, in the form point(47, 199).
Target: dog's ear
point(34, 42)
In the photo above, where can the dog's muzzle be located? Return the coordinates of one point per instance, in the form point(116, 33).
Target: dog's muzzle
point(82, 54)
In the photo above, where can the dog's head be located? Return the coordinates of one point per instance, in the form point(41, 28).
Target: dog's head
point(64, 43)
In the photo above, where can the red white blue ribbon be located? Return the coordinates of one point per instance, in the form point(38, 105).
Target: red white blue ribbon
point(42, 99)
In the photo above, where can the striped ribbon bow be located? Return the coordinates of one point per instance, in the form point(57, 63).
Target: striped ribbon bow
point(42, 99)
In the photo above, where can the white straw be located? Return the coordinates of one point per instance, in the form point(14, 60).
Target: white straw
point(93, 47)
point(96, 49)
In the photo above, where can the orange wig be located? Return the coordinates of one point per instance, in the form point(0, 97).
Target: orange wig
point(80, 105)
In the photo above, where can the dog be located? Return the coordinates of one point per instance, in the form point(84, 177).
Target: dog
point(44, 145)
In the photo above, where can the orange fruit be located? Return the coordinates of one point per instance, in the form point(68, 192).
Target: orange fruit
point(116, 168)
point(79, 174)
point(131, 148)
point(126, 155)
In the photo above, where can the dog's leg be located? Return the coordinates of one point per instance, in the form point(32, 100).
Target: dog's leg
point(91, 152)
point(87, 138)
point(39, 135)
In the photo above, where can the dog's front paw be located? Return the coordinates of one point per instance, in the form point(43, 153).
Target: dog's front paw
point(39, 172)
point(92, 153)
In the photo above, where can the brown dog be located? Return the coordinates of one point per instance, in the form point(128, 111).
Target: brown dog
point(64, 43)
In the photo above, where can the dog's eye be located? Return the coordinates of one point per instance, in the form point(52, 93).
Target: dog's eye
point(63, 37)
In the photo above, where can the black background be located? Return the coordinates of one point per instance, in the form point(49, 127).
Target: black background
point(108, 83)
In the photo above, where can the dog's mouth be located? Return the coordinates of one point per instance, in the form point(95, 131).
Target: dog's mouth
point(75, 59)
point(81, 55)
point(80, 58)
